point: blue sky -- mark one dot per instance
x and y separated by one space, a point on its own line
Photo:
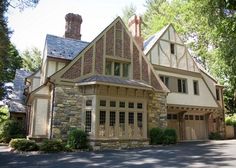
31 26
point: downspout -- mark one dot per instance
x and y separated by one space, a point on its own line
53 97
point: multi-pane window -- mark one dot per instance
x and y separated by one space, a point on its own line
131 105
126 70
122 104
108 68
112 103
165 80
117 69
88 102
139 105
103 103
195 87
172 48
131 118
102 117
140 120
182 85
88 121
112 118
217 94
122 118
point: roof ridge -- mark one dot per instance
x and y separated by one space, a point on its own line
71 39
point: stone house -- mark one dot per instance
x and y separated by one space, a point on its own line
109 87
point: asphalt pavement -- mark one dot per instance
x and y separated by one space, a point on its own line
188 154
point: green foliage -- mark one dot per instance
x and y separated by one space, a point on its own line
128 12
52 145
23 145
215 136
11 129
163 136
156 136
230 120
31 59
4 114
170 136
77 139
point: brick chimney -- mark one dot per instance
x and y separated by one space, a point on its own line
72 28
135 29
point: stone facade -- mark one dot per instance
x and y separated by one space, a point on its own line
118 144
67 111
157 110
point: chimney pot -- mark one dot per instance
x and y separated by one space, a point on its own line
73 24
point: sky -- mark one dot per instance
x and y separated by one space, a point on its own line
31 26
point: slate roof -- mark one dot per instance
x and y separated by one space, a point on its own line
64 48
114 80
16 102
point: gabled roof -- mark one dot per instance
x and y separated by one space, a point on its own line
147 44
16 104
64 48
114 80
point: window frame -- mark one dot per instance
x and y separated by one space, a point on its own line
196 92
182 86
172 48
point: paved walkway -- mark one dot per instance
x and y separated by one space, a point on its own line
189 154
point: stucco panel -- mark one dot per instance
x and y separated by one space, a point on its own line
41 117
203 99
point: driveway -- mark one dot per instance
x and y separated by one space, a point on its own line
189 154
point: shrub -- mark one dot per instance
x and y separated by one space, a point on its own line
52 145
170 136
215 136
156 136
77 139
230 120
11 129
23 145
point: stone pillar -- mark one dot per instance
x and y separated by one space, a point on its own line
73 24
157 110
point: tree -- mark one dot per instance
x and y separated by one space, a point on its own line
128 12
9 57
4 114
31 59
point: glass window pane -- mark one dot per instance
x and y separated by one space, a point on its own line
88 121
88 102
112 118
102 117
108 68
103 103
112 103
131 118
122 118
139 105
131 105
122 104
117 69
140 119
125 70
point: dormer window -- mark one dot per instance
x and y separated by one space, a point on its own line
172 48
117 69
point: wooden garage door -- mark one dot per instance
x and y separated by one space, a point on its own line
195 127
173 122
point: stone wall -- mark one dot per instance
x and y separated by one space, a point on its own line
118 144
67 111
157 110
